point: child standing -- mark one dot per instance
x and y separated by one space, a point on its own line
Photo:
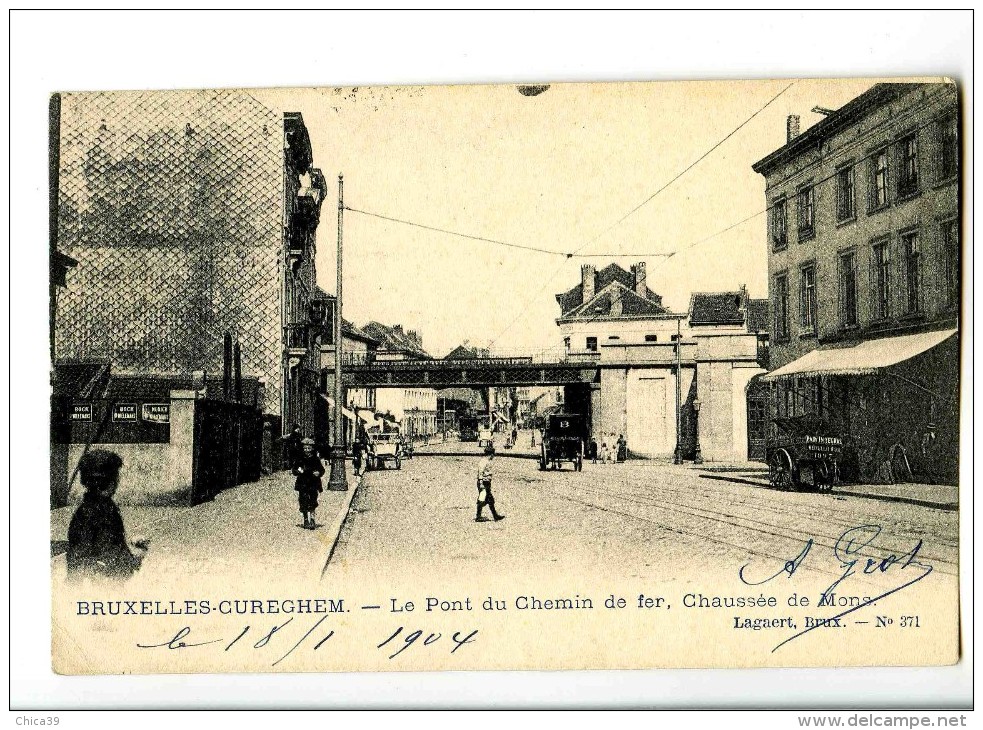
97 544
308 470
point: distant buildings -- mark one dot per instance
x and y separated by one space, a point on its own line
613 321
864 275
415 408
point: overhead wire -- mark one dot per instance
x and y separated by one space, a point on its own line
693 164
666 255
458 233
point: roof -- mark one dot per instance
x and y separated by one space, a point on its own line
80 378
853 111
463 352
92 380
347 328
865 358
717 308
573 298
617 300
728 308
394 339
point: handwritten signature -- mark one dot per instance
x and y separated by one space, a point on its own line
179 640
848 551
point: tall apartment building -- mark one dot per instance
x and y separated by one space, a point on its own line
189 214
864 276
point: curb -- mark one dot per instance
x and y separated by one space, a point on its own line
339 522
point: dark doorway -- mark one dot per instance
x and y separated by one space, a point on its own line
757 420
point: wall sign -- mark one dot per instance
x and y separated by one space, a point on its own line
80 412
126 412
156 412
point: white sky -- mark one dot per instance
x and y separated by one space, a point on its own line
552 171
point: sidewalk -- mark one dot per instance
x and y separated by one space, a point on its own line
253 531
937 496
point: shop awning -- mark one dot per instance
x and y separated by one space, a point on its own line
350 415
865 358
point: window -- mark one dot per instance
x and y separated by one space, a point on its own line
807 213
807 299
882 280
781 308
950 261
566 343
845 195
651 338
948 148
779 224
908 166
912 271
592 344
848 289
878 180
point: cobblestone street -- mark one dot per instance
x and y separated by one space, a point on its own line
639 521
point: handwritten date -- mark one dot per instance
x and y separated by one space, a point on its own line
314 637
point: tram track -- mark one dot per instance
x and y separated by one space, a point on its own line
700 513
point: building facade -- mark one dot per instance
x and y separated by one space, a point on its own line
641 349
864 277
191 215
414 408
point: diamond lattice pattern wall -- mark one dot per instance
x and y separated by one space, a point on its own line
172 203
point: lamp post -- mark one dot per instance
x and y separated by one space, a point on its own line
338 479
698 457
677 456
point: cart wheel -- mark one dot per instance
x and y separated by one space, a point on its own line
399 463
780 471
826 476
578 464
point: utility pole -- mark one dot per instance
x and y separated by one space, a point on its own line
677 457
338 479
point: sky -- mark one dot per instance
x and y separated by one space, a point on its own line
557 171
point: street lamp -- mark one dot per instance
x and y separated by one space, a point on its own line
338 479
698 456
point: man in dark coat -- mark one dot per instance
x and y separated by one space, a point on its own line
97 545
293 448
308 469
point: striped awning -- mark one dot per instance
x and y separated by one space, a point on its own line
865 358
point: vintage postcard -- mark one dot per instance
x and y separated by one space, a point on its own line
552 376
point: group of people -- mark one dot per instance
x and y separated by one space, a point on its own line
609 451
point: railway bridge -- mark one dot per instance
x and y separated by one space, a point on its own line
540 369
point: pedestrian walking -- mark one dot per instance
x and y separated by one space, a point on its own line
484 484
622 448
359 450
97 544
603 454
292 446
592 450
308 469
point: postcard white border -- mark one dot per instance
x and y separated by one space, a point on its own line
63 50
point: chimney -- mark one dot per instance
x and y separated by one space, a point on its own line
398 329
791 127
638 270
587 280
